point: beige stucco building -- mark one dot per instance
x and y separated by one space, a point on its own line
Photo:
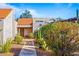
37 22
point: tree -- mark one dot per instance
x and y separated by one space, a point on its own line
77 11
26 14
61 37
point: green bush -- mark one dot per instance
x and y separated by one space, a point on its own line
18 39
60 37
7 46
31 35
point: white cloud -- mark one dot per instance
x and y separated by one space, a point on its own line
33 12
3 5
19 11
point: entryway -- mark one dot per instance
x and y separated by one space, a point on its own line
28 48
24 31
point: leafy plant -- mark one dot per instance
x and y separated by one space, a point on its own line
41 41
18 39
7 46
44 44
31 35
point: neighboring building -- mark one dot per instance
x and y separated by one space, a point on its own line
7 25
37 22
25 26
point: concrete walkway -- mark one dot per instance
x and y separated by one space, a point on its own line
28 48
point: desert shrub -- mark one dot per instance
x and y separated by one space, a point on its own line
44 44
40 40
7 46
18 39
35 34
31 35
61 37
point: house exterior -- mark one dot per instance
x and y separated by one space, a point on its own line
25 26
7 27
14 28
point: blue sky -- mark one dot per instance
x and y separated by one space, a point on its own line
55 10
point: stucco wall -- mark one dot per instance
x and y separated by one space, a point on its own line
14 28
7 27
1 32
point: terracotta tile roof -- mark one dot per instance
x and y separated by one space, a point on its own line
25 21
4 13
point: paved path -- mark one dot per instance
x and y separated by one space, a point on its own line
28 49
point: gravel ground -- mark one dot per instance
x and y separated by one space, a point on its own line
41 52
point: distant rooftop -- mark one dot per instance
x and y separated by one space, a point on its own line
25 21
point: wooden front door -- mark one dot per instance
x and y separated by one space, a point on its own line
22 32
26 32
